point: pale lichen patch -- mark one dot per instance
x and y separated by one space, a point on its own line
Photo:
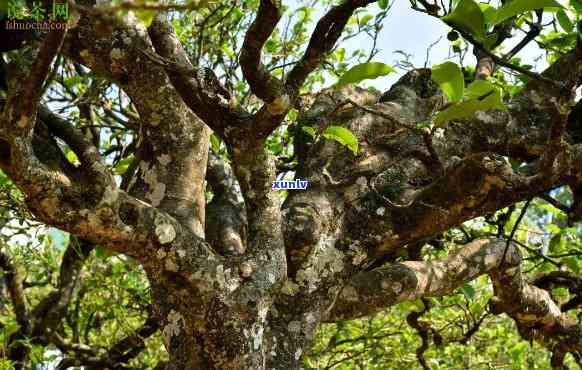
116 53
298 354
161 253
157 189
226 280
396 287
157 194
23 121
289 288
280 105
110 196
362 181
165 159
294 326
349 294
175 320
325 261
164 230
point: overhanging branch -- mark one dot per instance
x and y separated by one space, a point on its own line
537 316
372 291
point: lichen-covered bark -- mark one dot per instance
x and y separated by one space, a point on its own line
250 293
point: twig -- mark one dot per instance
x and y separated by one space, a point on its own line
512 234
554 202
426 134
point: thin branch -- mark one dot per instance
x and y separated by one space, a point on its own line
50 311
423 330
262 83
83 148
512 234
32 87
557 204
327 32
199 88
15 278
504 63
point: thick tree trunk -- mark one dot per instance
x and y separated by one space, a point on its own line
253 299
230 336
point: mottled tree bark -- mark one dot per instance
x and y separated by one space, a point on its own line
250 294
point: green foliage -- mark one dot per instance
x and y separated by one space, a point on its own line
516 7
364 71
115 293
343 136
468 16
450 79
122 166
309 131
146 16
479 96
6 364
383 4
564 21
385 341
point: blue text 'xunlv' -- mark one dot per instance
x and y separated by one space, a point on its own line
291 185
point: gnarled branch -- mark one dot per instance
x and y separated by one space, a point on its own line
262 83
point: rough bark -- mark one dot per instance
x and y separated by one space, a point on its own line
250 293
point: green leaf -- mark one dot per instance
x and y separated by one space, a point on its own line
477 89
123 165
577 5
364 71
468 17
365 19
71 156
468 291
516 7
146 16
343 136
489 12
490 40
100 253
450 79
517 351
491 100
556 244
309 131
574 263
215 143
564 21
383 4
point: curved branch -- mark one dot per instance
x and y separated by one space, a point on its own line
327 31
262 83
537 316
371 291
54 307
15 278
88 154
115 358
211 102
